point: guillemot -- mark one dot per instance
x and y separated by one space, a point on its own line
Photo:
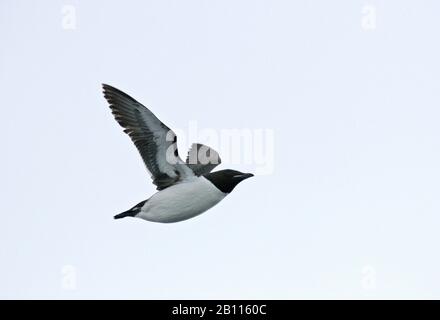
185 189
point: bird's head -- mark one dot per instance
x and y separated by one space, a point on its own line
227 180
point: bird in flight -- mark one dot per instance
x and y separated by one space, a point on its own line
185 189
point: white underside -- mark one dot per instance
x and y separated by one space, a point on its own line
181 201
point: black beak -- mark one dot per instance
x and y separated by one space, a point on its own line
246 175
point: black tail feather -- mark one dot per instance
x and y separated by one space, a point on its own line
132 212
128 213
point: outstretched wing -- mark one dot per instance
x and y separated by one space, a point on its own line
156 143
202 159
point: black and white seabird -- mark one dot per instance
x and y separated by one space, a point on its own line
185 189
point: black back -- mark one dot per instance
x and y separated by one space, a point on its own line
226 180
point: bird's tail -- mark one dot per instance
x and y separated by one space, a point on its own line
132 212
129 213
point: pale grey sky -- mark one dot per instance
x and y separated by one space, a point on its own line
351 209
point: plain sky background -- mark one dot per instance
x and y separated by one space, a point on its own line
350 211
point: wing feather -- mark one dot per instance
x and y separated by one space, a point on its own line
156 143
202 159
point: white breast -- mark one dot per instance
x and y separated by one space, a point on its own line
181 201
